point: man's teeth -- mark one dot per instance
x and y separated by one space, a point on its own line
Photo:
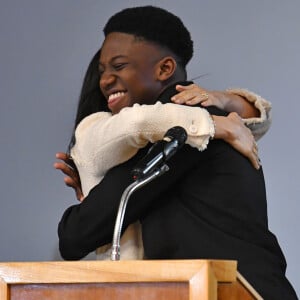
115 95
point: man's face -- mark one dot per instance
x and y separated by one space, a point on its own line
128 71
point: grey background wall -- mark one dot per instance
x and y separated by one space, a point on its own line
45 47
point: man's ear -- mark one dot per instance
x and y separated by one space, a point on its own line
166 67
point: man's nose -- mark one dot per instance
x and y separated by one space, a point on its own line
106 80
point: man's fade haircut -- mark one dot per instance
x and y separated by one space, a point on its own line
155 25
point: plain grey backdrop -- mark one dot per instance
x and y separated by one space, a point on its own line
45 47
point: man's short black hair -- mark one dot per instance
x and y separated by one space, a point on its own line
156 25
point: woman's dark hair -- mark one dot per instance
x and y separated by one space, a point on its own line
91 99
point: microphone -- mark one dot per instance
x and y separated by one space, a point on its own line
160 152
149 168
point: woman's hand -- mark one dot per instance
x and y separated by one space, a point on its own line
72 179
233 131
193 94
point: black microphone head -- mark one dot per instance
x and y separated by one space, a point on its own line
160 152
178 133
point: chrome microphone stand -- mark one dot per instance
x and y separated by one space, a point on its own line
116 252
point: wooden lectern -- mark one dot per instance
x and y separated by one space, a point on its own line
152 279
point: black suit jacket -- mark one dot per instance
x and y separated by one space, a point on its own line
210 204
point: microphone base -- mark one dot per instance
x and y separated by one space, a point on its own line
115 253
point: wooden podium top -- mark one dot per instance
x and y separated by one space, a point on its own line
209 278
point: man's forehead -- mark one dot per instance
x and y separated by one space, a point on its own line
117 45
126 39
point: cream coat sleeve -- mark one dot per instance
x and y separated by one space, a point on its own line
259 126
104 140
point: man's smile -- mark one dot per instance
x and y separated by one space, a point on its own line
114 99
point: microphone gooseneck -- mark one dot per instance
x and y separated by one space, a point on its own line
116 246
150 167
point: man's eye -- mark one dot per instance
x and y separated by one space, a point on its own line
119 66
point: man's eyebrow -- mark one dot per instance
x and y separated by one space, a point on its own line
113 59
